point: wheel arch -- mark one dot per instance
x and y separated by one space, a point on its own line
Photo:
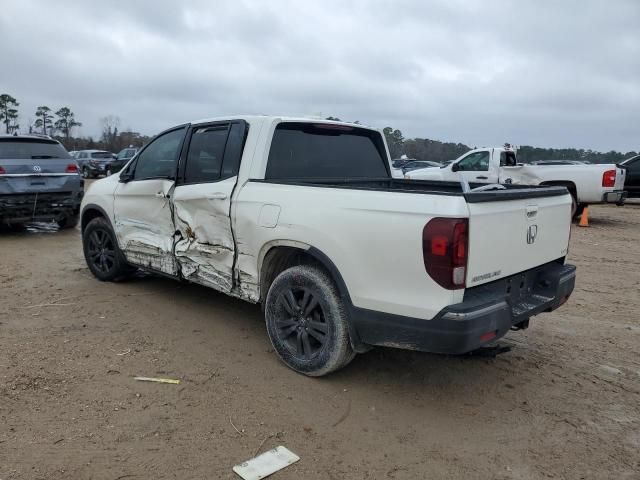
279 255
91 211
571 186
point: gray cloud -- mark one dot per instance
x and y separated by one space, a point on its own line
538 72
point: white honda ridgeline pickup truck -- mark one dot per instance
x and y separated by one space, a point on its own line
587 184
303 216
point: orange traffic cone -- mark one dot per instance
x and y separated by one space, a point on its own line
584 218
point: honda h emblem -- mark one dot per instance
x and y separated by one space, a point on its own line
532 232
37 168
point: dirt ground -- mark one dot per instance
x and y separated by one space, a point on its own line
564 403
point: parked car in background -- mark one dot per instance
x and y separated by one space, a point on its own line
39 181
400 162
408 166
414 165
121 160
230 211
93 163
632 182
588 184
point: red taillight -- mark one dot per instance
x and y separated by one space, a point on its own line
485 337
444 250
72 168
2 170
609 178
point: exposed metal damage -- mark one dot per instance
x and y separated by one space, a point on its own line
153 258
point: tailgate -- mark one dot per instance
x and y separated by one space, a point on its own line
621 174
37 175
511 236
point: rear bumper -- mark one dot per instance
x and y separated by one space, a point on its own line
98 169
33 207
487 313
618 197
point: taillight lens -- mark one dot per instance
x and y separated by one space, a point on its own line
445 250
72 168
2 170
609 178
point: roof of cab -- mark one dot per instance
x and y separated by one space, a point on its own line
277 118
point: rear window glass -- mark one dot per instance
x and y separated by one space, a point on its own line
101 155
16 149
325 151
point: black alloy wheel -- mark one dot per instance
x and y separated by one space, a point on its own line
302 326
101 251
307 321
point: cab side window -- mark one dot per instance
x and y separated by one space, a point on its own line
160 158
508 159
475 162
214 152
206 150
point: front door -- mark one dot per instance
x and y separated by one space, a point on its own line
476 168
142 205
205 247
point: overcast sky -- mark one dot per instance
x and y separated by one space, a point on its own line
541 73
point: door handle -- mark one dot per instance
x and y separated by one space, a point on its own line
159 195
482 178
216 196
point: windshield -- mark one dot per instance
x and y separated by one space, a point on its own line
31 148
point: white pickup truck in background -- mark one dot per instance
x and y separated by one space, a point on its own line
588 184
303 216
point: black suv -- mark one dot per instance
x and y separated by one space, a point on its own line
39 181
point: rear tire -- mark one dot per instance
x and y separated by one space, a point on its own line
307 321
102 254
68 222
574 206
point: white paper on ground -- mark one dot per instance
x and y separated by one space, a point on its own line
266 463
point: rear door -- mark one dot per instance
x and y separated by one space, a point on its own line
511 236
205 247
142 207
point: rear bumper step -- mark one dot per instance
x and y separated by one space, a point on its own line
487 313
618 197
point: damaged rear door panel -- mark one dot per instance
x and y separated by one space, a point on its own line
205 246
143 218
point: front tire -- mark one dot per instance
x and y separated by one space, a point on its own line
85 173
307 321
101 252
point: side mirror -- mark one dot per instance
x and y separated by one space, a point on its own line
125 177
455 167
